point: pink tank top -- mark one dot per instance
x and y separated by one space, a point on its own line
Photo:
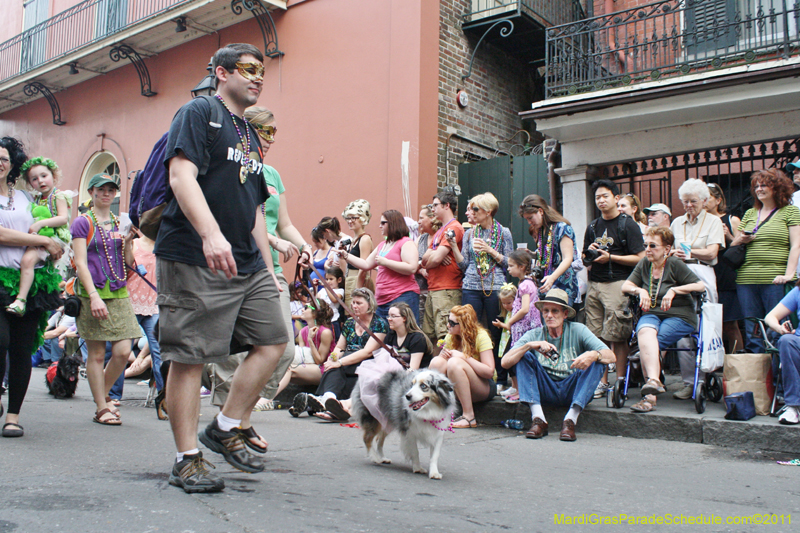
390 284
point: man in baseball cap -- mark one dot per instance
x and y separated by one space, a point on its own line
658 215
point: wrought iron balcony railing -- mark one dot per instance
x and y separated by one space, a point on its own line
74 28
547 12
667 39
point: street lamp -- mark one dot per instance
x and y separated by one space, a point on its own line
208 85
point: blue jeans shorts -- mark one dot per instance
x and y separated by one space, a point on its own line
670 330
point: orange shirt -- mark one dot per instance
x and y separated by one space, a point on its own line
445 277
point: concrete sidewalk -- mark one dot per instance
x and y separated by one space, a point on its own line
672 419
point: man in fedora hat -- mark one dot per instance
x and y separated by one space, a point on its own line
559 364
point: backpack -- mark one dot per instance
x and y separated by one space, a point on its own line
149 190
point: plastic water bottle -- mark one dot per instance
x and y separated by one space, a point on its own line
512 423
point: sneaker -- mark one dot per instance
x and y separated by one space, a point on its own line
192 475
232 447
601 390
204 392
264 404
299 404
316 404
685 393
790 416
508 392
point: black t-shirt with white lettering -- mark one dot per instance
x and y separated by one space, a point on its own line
606 233
232 203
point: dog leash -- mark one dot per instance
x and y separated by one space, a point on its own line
131 269
347 308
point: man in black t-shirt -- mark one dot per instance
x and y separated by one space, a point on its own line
617 241
213 223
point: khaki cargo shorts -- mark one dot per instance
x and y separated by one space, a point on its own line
607 314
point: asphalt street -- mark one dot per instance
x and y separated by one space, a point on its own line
69 474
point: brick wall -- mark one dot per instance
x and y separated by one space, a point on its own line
499 88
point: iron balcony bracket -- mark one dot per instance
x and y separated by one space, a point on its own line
34 88
504 32
265 22
124 51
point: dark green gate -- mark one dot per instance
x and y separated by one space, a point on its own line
510 179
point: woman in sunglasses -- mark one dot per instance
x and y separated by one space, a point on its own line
357 215
467 360
483 259
664 285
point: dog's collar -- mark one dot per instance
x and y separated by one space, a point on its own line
435 422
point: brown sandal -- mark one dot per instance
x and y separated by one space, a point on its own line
644 406
115 403
98 417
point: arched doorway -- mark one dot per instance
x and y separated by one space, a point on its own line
99 163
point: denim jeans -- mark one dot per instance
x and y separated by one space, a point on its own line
409 297
148 324
51 351
670 330
490 306
537 387
757 301
789 346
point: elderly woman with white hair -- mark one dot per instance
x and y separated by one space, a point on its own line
357 215
699 237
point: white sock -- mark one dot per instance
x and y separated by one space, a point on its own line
573 413
536 411
225 423
187 452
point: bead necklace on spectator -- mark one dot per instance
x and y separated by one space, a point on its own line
10 205
546 251
104 238
245 142
483 261
654 297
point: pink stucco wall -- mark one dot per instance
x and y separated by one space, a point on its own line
358 78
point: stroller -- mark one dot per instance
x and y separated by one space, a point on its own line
709 389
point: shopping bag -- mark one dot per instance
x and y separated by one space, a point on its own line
713 349
740 406
750 372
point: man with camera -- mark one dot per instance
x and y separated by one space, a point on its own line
612 246
559 364
444 275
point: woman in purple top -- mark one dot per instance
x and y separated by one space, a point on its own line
106 315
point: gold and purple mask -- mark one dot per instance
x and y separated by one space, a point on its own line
266 132
251 71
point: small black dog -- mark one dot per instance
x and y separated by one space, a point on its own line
62 377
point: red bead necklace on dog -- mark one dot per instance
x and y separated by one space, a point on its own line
448 428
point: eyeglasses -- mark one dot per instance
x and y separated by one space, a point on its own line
5 160
651 245
384 222
434 204
476 209
394 316
712 185
550 311
266 132
761 186
351 219
451 324
251 71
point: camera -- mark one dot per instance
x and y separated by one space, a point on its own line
591 254
552 355
450 234
343 244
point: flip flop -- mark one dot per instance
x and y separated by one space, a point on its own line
250 433
471 423
325 416
336 409
98 417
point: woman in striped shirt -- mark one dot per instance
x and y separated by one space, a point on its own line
771 230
